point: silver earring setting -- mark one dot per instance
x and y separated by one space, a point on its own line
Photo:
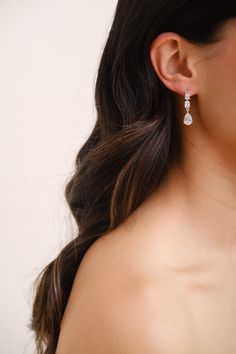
188 120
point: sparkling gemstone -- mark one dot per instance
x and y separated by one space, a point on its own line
187 104
188 119
187 96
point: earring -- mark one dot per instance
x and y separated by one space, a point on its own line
188 120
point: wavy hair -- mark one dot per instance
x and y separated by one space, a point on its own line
134 142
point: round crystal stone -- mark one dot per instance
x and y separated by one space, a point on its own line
187 96
187 104
188 119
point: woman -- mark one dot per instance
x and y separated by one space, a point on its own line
154 193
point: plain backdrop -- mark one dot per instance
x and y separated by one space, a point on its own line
49 55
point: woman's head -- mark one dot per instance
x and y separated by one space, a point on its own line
154 51
209 72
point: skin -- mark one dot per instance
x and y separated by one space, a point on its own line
164 282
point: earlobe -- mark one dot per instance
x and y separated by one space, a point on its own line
168 58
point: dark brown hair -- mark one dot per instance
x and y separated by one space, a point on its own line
133 143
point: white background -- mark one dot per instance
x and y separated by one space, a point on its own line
49 54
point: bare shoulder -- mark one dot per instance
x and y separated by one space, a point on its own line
115 304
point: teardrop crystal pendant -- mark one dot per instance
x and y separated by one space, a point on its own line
188 120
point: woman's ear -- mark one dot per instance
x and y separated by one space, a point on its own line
172 61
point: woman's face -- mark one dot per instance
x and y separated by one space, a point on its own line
215 104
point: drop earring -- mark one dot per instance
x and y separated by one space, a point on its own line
188 120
